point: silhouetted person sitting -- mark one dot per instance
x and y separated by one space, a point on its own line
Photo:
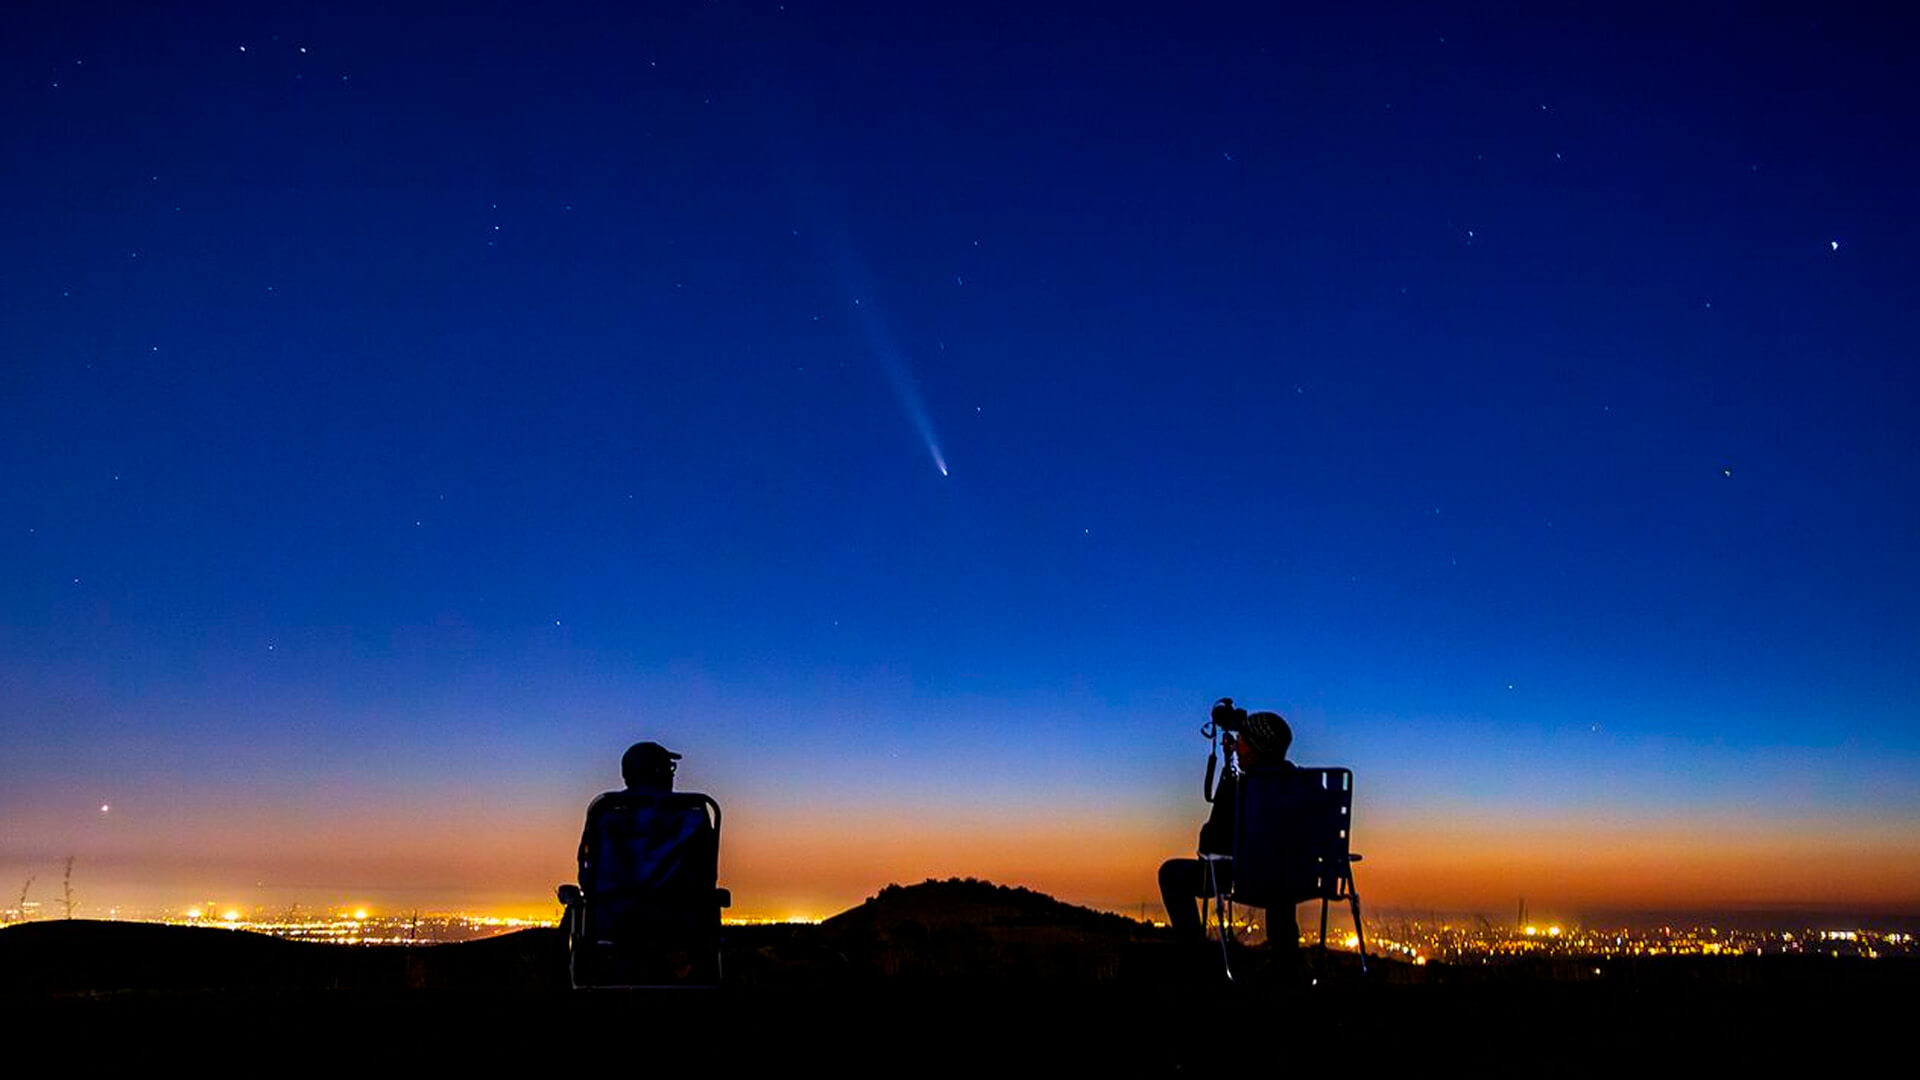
646 910
1249 741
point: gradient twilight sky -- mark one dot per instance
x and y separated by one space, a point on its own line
402 413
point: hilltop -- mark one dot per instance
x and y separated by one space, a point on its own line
938 904
963 928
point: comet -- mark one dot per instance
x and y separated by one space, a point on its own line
893 363
840 255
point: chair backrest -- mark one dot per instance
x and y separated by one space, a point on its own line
1291 835
662 848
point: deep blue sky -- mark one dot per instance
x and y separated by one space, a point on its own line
400 413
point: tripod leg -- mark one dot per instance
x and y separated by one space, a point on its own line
1221 916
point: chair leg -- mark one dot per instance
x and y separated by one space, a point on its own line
1359 931
573 922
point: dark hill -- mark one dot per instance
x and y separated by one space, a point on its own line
942 977
971 902
68 956
971 929
963 929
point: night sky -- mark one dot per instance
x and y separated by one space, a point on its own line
918 417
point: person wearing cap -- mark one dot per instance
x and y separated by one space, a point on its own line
648 767
1251 740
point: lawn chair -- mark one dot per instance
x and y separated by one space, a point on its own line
647 910
1292 828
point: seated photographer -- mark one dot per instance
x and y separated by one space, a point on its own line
1249 740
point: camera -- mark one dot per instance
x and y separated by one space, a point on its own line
1227 716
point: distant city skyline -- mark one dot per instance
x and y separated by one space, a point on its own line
1417 937
918 418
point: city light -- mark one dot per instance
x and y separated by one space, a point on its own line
1410 939
1451 941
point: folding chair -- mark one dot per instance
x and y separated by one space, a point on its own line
646 912
1291 831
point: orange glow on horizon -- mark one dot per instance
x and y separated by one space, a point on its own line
1639 864
811 864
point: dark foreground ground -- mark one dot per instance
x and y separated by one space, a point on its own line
802 1001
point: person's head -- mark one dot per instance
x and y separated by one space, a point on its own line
1265 739
648 766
